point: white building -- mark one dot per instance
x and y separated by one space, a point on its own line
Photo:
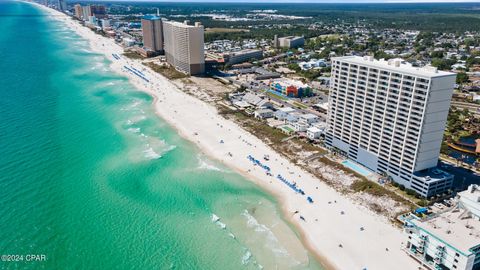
128 42
470 200
233 58
390 117
86 12
282 113
184 46
263 113
449 240
313 63
305 121
314 133
289 42
309 119
106 23
92 20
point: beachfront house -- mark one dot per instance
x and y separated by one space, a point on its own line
316 130
305 121
292 118
309 119
300 126
282 113
257 101
263 113
314 133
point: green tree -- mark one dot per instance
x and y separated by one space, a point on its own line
436 54
462 77
443 64
294 67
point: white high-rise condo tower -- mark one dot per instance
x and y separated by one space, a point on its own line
184 46
390 117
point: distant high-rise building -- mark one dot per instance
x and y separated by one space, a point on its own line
78 11
99 11
106 23
390 117
184 46
86 12
152 33
61 5
92 20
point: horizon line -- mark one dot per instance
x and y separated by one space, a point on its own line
297 1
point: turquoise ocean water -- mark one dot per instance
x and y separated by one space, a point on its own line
91 178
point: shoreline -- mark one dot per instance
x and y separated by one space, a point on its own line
199 123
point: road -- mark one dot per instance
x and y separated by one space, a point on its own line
473 107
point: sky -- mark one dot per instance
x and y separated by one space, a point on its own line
310 1
316 1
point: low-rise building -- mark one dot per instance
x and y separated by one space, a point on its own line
449 239
305 121
309 119
233 58
282 113
313 63
257 101
128 42
470 200
314 133
300 126
292 118
263 113
289 42
290 88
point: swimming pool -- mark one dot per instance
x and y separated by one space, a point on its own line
357 168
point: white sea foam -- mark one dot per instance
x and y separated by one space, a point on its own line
136 119
155 148
271 241
204 165
246 257
223 226
134 130
151 154
215 218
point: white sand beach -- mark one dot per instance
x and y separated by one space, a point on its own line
330 221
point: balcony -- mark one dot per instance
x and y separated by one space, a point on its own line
419 257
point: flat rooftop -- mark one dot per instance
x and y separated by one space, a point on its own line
432 175
289 82
182 24
454 228
395 65
290 37
245 51
151 17
472 193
